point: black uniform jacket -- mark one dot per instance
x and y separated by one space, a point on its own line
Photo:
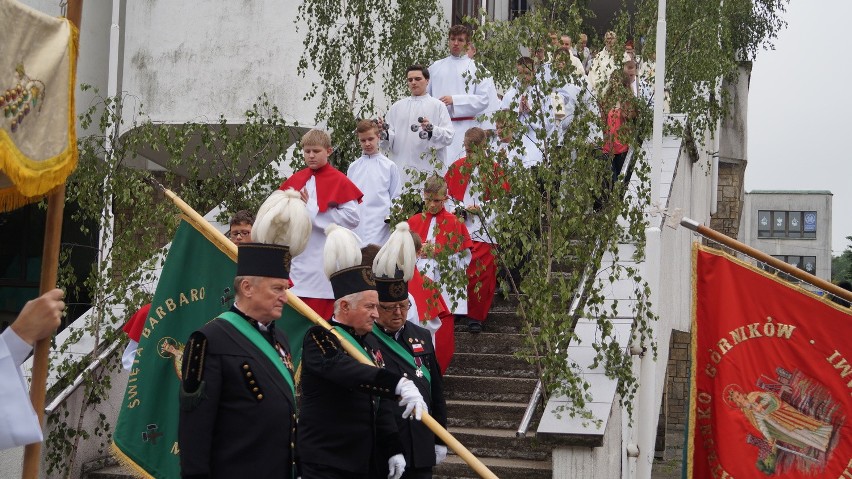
418 441
342 421
237 414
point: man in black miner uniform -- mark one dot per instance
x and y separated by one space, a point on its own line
346 427
237 401
407 349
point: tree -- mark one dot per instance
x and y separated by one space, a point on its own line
841 266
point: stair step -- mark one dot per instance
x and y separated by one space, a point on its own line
111 472
454 468
502 443
468 364
482 414
488 342
473 388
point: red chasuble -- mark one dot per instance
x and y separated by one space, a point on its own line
333 187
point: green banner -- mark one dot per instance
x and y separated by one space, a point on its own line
190 293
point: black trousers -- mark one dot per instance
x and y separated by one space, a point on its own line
421 473
321 471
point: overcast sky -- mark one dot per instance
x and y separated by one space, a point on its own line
799 127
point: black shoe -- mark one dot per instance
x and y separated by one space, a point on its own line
474 326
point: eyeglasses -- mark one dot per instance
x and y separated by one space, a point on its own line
239 234
401 307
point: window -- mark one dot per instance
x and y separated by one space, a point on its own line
517 8
464 8
473 9
807 263
786 224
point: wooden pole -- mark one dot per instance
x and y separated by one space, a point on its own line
47 282
761 256
309 313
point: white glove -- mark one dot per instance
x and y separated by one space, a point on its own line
396 466
410 399
440 453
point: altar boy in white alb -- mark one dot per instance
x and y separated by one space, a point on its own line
455 83
419 127
378 178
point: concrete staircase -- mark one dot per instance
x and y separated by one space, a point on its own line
487 391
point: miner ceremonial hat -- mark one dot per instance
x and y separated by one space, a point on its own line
392 289
352 280
262 259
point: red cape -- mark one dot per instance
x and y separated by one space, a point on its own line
458 177
451 232
333 187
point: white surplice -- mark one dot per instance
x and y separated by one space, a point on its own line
405 147
379 179
457 77
306 270
18 421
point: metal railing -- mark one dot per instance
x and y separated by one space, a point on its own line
577 303
78 381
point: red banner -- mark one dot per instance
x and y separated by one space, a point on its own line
771 391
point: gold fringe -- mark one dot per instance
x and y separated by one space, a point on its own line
128 463
693 350
32 180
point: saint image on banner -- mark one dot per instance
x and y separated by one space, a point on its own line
795 417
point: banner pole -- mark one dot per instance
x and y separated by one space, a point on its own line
765 258
47 282
315 318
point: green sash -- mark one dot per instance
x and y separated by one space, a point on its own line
262 344
355 343
400 351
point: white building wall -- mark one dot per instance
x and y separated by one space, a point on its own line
192 61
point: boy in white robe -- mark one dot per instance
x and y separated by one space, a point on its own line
419 128
330 197
456 83
379 179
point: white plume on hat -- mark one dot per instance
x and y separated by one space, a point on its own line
342 249
283 219
397 253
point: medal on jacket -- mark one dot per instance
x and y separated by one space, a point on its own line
418 361
377 358
285 356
